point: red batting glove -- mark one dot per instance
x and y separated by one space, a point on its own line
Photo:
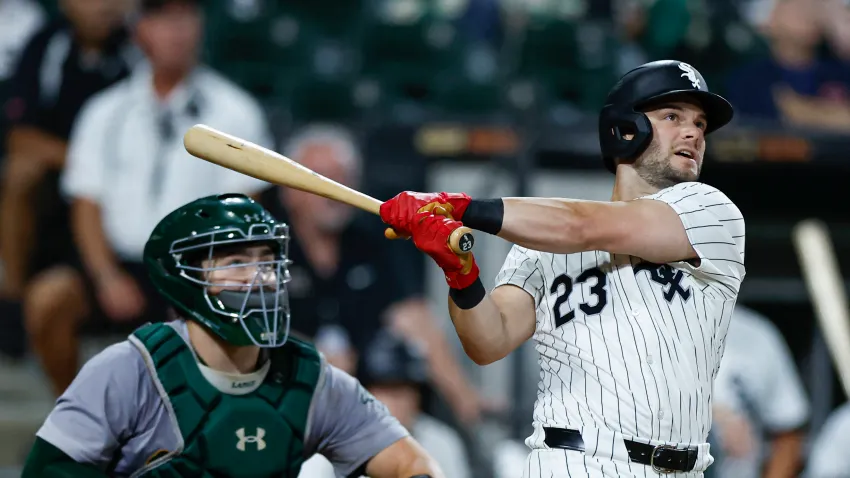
431 235
400 211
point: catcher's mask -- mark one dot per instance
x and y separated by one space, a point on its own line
222 261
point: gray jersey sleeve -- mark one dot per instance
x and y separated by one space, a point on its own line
99 410
347 424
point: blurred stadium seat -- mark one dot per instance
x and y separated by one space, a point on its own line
408 45
719 39
572 60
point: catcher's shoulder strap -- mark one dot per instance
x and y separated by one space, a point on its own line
296 363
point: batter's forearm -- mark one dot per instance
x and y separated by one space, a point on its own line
481 331
558 226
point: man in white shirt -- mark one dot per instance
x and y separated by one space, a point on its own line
394 372
760 406
19 19
126 169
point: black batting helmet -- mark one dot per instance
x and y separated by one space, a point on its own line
642 86
390 359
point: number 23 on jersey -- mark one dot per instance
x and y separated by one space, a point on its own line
594 303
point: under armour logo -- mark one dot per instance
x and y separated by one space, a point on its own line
665 275
690 73
243 439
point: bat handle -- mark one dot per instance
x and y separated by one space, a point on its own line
461 240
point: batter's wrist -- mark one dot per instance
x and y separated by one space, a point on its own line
468 297
485 215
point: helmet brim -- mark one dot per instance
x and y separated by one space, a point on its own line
718 111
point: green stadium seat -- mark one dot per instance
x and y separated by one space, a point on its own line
260 78
339 19
407 52
323 99
574 61
720 43
51 7
471 98
237 33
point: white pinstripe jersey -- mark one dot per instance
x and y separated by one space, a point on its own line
630 346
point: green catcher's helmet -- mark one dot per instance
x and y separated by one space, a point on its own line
255 313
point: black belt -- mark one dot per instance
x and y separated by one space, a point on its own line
662 458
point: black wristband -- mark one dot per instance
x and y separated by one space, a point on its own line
485 215
469 297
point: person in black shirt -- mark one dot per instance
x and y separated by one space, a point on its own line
70 59
348 281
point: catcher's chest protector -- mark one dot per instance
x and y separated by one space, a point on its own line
260 434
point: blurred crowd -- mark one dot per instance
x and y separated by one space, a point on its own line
96 94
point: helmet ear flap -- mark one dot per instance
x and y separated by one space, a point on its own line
614 127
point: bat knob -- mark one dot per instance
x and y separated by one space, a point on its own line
461 240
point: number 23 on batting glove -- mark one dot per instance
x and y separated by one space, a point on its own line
430 234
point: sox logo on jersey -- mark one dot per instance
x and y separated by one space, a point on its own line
628 348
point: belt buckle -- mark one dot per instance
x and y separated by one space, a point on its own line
657 468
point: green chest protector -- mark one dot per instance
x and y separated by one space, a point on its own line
259 434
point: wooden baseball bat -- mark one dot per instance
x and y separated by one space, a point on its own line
256 161
825 284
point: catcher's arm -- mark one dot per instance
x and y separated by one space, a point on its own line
403 459
357 433
47 461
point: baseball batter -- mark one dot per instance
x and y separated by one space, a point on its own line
628 300
222 391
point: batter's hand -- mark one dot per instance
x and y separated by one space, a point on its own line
399 212
430 235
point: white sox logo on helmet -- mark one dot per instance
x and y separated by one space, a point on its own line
690 73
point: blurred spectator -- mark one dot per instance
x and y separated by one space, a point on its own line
756 12
836 18
482 22
829 457
760 406
19 19
346 281
395 372
63 64
794 85
126 169
650 30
